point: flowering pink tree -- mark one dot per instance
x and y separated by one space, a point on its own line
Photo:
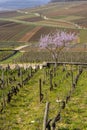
55 42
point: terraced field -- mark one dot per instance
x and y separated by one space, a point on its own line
10 31
9 14
33 19
24 92
34 54
6 54
73 11
12 45
58 15
30 34
32 23
45 30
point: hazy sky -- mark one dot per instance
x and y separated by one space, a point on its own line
23 1
16 4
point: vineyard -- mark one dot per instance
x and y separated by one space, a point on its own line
79 10
12 45
33 19
27 94
37 93
9 14
6 54
27 31
74 12
10 31
39 57
82 22
45 30
34 54
72 53
58 23
30 34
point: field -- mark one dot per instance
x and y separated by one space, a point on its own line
6 54
25 27
33 19
29 79
12 45
28 36
9 14
24 110
10 31
46 30
73 53
77 9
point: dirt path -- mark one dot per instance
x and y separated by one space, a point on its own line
21 47
29 35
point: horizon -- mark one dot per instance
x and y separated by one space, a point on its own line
17 4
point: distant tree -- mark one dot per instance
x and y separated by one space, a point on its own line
55 42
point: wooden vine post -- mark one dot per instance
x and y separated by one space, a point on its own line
21 78
54 72
40 91
4 100
30 71
44 76
46 116
51 85
56 119
2 78
7 77
3 94
71 75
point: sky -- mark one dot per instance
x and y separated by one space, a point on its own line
27 0
20 4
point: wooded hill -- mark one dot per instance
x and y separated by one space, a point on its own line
65 0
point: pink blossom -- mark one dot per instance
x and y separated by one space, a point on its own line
56 41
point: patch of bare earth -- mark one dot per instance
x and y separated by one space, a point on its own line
29 35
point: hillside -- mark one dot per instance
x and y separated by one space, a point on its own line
44 88
65 0
24 27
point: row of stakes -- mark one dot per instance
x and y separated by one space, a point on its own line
51 123
14 89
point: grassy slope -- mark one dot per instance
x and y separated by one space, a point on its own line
12 59
46 10
83 36
75 114
26 113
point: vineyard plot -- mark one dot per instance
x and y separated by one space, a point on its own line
30 34
46 30
6 54
25 111
33 54
9 14
33 19
11 31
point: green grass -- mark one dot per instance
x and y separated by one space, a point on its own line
9 45
83 36
29 15
12 59
25 109
59 17
75 114
25 112
5 54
